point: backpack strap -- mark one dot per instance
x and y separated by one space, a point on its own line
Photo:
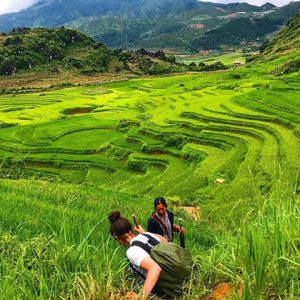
142 245
151 239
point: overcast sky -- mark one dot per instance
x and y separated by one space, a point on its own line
16 5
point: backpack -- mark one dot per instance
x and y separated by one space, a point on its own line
175 261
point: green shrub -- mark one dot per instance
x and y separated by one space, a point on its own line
136 166
176 141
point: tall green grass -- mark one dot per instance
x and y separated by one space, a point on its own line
54 243
259 251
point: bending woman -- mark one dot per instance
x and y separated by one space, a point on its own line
162 220
142 263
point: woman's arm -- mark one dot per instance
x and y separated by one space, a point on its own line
153 272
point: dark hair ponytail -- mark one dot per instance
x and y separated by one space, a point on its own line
160 200
118 224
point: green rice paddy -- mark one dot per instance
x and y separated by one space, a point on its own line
70 156
171 136
226 58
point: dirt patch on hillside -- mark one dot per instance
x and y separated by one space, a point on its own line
232 15
197 26
37 82
225 291
192 211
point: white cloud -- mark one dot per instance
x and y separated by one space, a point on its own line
7 6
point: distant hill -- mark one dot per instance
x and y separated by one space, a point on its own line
183 25
245 29
282 53
245 7
285 13
286 41
45 12
66 50
193 30
268 6
235 32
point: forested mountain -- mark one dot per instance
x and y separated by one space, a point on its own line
246 28
286 42
288 39
45 12
282 53
182 25
66 50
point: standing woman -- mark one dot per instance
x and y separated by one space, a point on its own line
162 220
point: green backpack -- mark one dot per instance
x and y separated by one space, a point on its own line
175 261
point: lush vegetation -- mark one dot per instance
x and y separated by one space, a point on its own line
44 13
65 50
212 57
236 32
247 31
282 49
70 156
54 243
286 41
138 133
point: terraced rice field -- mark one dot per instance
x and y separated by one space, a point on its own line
171 136
226 58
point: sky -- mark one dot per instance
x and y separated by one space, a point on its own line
7 6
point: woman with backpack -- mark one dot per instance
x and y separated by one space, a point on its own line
162 220
163 266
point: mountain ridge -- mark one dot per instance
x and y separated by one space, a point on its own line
287 40
183 25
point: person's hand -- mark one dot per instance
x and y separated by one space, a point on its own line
181 229
139 229
131 296
178 229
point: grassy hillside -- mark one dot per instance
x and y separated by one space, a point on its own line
54 243
228 59
281 53
288 40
